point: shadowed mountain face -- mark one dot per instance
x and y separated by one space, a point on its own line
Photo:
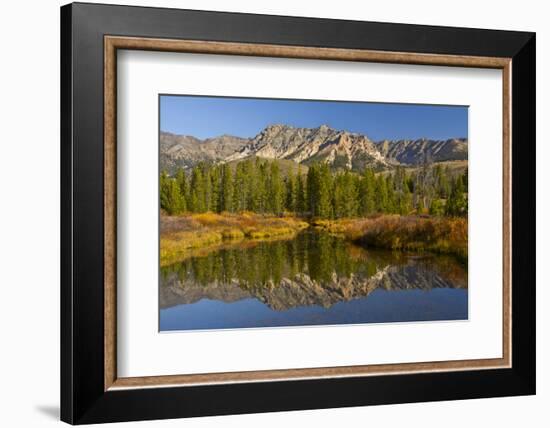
314 269
340 148
414 152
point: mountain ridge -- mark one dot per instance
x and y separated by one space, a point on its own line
341 149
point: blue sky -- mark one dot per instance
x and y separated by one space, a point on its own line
205 117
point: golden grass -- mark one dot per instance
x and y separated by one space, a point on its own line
405 233
270 232
182 235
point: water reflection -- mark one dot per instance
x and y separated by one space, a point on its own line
311 270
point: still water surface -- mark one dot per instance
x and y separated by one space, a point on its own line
312 279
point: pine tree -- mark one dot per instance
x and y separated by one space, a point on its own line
197 194
402 195
261 186
425 185
351 204
338 196
250 184
405 199
215 184
312 184
366 192
275 193
323 189
345 195
226 194
207 187
444 188
437 207
164 190
176 201
291 191
181 179
319 189
240 189
301 196
457 204
393 203
170 197
325 198
381 195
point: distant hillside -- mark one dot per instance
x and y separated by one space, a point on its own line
414 152
183 151
341 149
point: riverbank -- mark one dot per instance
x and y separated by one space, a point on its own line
180 236
404 233
187 235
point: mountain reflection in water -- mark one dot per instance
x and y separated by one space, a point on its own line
314 278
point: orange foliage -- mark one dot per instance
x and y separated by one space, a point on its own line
415 233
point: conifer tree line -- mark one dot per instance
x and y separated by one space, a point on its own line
260 186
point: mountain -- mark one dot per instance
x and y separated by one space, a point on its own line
340 148
413 152
183 151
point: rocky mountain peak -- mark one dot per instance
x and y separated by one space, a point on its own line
275 128
340 148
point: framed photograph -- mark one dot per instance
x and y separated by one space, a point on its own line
265 213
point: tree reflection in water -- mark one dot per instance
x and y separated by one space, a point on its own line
311 269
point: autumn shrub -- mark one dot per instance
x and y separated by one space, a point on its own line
232 234
414 233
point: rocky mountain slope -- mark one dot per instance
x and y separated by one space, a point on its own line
414 152
183 151
341 149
